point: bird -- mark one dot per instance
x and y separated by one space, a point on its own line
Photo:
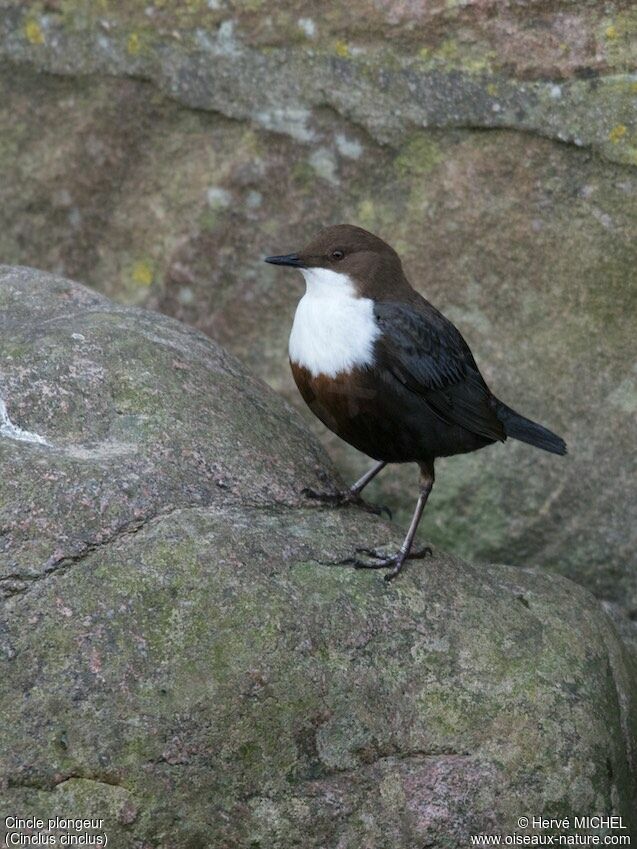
387 372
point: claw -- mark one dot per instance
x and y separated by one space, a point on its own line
341 498
363 564
395 561
413 555
336 498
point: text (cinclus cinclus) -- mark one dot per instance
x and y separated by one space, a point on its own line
387 372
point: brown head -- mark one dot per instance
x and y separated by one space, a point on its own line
370 263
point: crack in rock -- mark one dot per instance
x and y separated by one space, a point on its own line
217 74
18 583
52 784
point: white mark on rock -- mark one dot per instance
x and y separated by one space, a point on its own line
351 148
12 431
221 43
75 217
226 40
323 162
290 120
555 91
308 26
218 198
185 296
603 217
79 337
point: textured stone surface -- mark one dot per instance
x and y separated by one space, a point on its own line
382 65
168 417
209 675
308 115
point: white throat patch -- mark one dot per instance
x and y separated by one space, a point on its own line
334 330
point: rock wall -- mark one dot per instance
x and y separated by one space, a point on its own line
158 152
184 654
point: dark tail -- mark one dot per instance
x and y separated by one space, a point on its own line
525 430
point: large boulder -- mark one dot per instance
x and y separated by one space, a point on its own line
185 654
130 394
179 142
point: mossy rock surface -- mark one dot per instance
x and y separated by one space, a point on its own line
390 67
207 671
168 417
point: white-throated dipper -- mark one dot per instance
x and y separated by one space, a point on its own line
387 372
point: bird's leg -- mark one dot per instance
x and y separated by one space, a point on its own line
352 495
397 560
356 489
361 483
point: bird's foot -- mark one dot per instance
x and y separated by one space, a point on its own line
340 498
394 563
337 498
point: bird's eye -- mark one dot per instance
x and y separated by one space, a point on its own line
337 255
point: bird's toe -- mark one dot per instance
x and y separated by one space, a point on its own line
336 497
371 552
370 564
394 562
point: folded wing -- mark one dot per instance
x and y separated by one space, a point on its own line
423 350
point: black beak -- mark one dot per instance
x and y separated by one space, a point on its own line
286 259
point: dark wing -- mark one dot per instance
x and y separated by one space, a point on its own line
426 353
